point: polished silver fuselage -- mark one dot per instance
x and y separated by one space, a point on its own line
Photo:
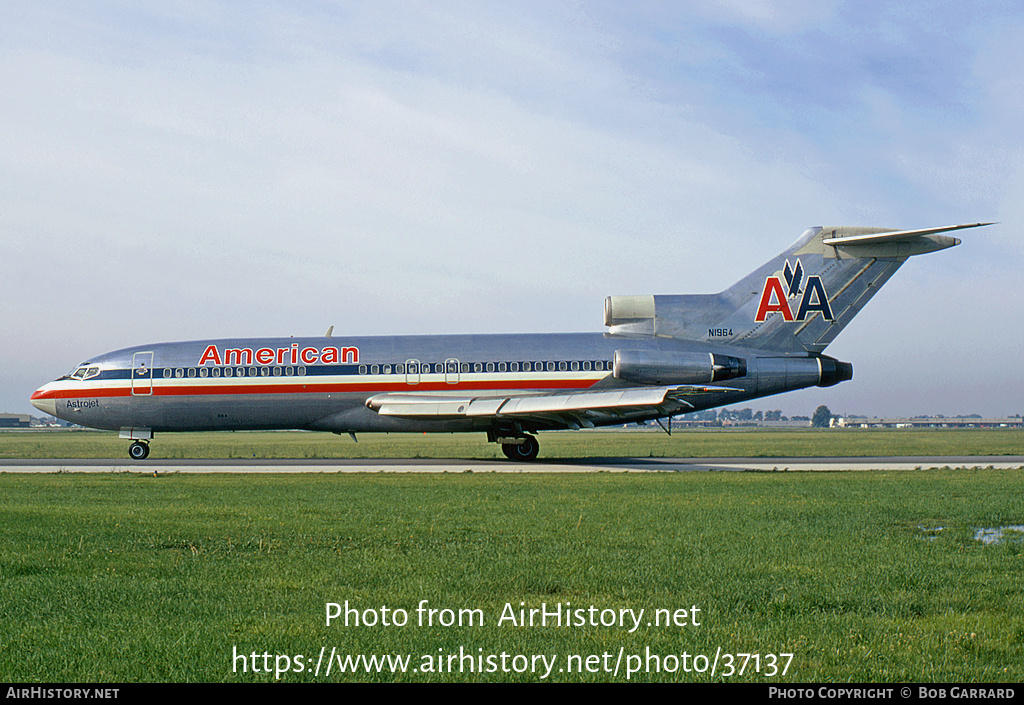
186 386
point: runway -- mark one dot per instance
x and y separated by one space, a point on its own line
558 465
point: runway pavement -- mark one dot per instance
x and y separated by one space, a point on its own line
559 465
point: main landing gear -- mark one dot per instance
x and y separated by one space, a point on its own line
515 443
522 449
138 450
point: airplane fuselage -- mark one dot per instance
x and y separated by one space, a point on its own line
323 383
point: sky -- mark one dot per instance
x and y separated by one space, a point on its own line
189 170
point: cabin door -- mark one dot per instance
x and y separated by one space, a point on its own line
142 373
412 371
451 371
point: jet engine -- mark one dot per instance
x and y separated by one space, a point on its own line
659 367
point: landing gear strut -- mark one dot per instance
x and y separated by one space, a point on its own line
138 450
522 449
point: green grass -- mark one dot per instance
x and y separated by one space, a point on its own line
743 442
861 576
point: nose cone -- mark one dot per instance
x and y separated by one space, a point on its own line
42 400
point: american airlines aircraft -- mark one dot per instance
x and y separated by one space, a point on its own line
659 357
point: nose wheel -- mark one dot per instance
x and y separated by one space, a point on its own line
138 450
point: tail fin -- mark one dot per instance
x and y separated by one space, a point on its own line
796 302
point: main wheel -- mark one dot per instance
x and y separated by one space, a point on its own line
138 451
524 451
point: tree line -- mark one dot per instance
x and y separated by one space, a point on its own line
820 419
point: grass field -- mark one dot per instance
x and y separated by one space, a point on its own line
860 576
740 442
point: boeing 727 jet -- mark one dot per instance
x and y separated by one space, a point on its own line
659 357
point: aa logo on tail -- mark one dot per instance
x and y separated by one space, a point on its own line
777 295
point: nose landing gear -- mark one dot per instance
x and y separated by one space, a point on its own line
138 450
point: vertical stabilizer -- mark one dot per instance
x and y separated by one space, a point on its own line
797 302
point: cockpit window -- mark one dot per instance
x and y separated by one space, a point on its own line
85 372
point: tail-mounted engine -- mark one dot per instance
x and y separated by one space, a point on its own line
656 367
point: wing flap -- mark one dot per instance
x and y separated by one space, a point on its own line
581 401
418 405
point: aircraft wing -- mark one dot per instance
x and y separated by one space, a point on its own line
582 409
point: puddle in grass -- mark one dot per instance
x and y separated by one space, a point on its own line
1013 533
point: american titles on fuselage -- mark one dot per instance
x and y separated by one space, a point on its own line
292 355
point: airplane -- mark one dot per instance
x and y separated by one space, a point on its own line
661 356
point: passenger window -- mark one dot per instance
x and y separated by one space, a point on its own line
179 372
374 369
362 369
562 366
490 367
215 372
302 371
167 372
514 366
191 371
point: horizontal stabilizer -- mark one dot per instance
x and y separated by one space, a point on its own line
896 236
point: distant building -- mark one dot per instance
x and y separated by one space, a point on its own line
801 422
928 422
15 420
